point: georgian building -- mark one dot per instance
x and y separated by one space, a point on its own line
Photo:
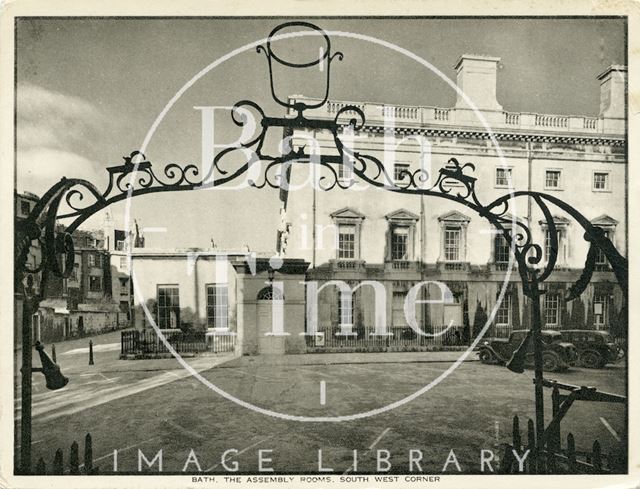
367 235
399 240
119 245
85 302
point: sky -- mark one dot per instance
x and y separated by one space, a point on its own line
89 90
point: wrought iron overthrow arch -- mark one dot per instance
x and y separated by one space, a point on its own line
57 245
137 177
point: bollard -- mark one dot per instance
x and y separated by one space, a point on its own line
53 353
91 352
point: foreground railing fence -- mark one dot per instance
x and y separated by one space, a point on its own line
555 458
545 452
57 465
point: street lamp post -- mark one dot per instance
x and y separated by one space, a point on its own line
54 381
25 408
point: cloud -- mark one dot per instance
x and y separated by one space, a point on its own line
54 135
48 118
40 167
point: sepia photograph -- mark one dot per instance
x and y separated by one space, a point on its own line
360 251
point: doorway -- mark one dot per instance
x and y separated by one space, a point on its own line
270 302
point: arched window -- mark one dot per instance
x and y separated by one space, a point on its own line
270 294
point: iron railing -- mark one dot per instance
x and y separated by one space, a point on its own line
550 456
148 343
499 331
401 339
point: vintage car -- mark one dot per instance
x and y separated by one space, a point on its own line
595 348
557 355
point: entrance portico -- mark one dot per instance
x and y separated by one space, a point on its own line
266 306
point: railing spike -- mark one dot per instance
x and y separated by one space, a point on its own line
41 467
88 454
517 443
556 441
507 461
571 453
58 468
597 457
531 445
74 462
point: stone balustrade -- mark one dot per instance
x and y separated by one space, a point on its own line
404 115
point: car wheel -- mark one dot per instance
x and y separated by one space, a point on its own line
591 359
487 357
550 362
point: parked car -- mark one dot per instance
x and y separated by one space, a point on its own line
595 348
557 355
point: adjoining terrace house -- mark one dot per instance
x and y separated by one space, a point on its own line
119 243
401 240
81 304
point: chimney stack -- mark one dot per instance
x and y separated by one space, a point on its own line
613 84
477 77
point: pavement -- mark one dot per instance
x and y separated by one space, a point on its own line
108 379
156 404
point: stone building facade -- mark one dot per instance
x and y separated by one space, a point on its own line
400 240
365 235
119 244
